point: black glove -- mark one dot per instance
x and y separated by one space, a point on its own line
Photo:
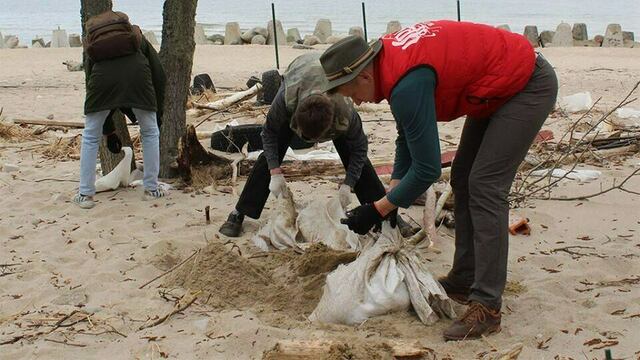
361 219
113 143
393 221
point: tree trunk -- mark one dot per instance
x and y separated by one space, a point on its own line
176 56
108 160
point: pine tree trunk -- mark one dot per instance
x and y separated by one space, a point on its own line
176 56
108 160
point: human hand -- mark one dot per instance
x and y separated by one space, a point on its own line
344 195
277 184
362 219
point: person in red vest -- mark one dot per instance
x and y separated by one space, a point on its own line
440 71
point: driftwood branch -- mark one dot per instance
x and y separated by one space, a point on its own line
69 124
615 187
231 100
570 250
186 301
578 150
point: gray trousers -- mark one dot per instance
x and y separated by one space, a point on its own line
486 162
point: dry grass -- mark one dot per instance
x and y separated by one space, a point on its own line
515 288
216 175
13 133
62 149
136 141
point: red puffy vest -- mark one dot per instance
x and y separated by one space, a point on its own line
478 67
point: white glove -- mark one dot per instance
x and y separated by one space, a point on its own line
277 184
344 194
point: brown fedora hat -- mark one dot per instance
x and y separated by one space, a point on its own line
344 60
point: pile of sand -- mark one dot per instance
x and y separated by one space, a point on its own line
278 282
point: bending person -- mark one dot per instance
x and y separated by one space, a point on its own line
440 71
301 108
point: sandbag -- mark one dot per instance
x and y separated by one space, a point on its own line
122 176
119 176
319 221
281 230
372 285
379 282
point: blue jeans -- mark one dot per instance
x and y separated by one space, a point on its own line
92 135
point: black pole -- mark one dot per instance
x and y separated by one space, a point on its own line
364 22
458 4
275 35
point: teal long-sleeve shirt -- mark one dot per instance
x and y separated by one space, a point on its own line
417 159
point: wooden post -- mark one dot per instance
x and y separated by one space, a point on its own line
275 34
364 22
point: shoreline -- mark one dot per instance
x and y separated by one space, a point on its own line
212 33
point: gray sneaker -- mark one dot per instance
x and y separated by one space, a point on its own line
85 202
155 194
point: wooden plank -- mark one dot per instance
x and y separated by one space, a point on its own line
69 124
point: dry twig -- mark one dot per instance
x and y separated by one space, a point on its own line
580 148
180 305
614 187
170 270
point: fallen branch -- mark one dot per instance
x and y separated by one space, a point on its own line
13 340
170 270
181 305
618 187
231 100
69 124
581 145
57 180
65 342
569 250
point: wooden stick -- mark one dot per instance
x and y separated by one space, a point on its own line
231 100
170 270
618 187
176 309
70 124
65 343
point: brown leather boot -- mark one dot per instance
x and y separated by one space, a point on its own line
457 293
479 320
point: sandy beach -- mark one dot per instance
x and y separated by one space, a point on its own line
70 278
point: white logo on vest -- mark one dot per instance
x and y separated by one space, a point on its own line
409 36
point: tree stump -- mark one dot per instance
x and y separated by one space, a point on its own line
192 155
